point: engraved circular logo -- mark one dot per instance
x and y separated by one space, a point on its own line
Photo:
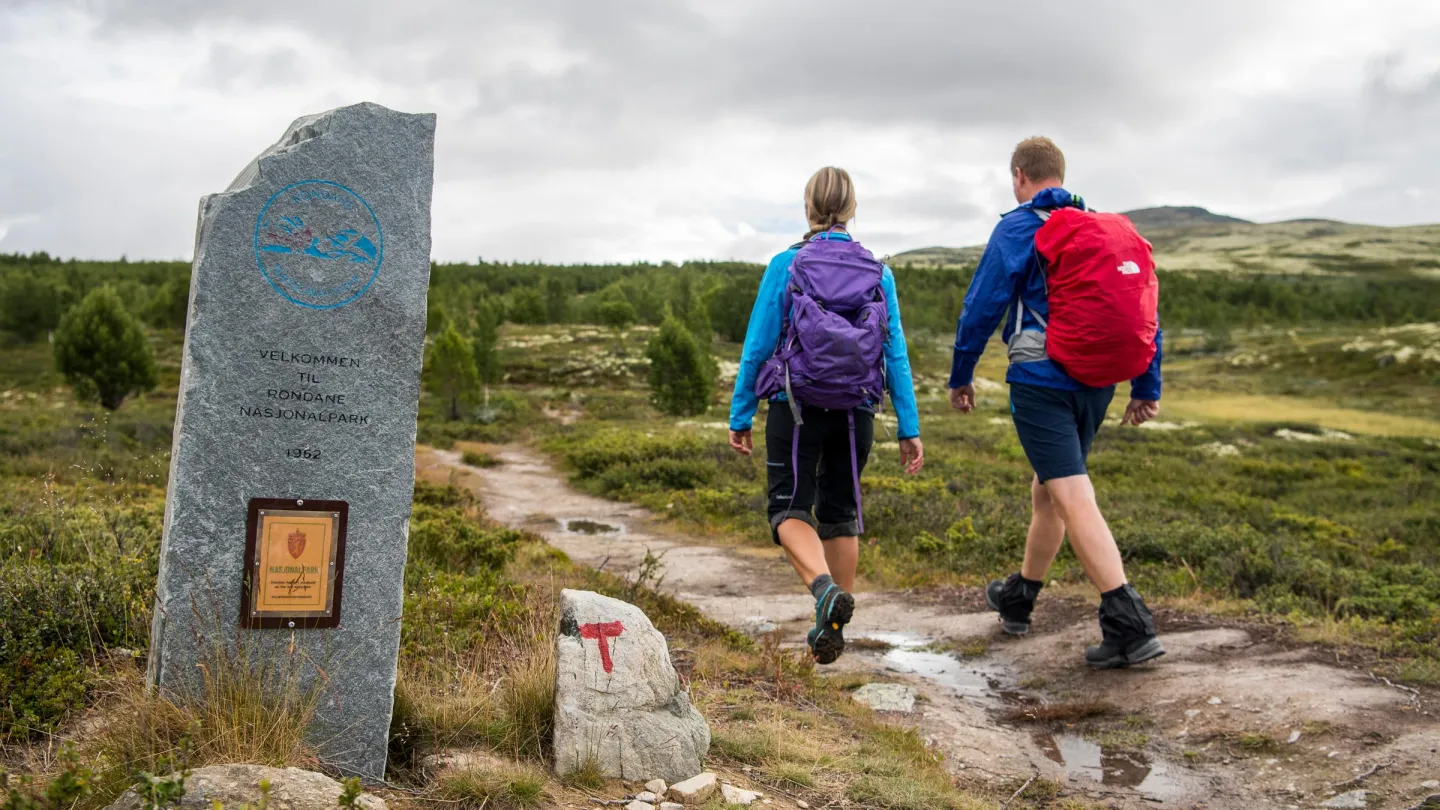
318 244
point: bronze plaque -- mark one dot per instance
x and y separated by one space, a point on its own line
294 563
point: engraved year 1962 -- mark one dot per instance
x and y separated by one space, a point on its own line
307 453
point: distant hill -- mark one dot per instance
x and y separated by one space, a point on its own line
1179 216
1193 239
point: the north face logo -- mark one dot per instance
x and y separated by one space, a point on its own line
1129 269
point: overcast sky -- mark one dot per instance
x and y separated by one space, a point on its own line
661 129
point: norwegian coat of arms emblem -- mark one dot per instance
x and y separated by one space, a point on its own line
296 543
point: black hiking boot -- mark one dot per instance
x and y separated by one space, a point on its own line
1013 599
1127 630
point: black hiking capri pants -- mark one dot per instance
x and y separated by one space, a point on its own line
817 467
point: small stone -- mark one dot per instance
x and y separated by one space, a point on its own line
1430 784
671 806
886 697
740 796
1191 714
694 790
235 785
1333 754
802 804
656 786
647 797
757 626
639 805
1294 737
1354 800
1214 701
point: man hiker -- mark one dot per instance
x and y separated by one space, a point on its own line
1077 292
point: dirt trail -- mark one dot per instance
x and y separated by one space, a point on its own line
1206 726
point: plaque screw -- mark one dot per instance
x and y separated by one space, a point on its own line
254 613
334 514
332 563
292 624
327 613
262 511
299 503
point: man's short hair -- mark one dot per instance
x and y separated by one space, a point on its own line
1039 158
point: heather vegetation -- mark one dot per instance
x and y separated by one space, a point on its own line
1292 477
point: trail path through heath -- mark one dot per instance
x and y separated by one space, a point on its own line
1208 725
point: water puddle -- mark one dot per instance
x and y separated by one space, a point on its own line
1153 778
588 526
909 655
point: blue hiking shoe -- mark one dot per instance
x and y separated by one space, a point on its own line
832 612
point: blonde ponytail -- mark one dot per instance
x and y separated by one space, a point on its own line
829 200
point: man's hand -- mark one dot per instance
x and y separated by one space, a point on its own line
912 455
740 442
962 399
1140 411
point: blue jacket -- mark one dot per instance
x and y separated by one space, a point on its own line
1010 267
763 334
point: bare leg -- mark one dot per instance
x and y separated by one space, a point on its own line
842 554
802 545
1074 499
1047 532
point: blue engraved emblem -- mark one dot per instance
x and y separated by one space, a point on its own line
318 244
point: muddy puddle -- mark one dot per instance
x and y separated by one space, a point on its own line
1085 759
589 526
975 679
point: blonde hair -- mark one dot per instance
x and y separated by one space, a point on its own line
829 200
1039 158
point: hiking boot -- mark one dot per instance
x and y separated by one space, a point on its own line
1013 599
832 612
1127 630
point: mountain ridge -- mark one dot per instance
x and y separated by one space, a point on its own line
1191 238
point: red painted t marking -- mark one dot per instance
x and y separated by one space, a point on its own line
600 632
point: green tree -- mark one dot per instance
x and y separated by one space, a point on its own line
680 374
102 351
557 301
30 306
616 313
527 305
450 372
485 342
729 306
171 303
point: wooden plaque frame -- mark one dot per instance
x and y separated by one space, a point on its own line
255 619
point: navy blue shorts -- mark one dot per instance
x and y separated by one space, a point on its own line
1056 427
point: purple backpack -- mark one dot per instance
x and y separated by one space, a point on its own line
832 347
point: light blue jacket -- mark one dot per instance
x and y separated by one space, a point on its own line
763 334
1009 269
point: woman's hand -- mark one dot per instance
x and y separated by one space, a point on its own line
912 455
740 442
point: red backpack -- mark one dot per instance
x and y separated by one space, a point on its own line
1103 294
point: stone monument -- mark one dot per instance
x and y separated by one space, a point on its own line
293 467
618 700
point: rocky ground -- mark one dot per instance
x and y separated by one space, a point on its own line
1235 715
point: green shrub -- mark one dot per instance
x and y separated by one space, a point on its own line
680 375
102 351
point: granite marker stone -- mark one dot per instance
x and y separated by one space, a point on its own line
300 379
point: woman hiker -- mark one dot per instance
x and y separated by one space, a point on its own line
824 342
